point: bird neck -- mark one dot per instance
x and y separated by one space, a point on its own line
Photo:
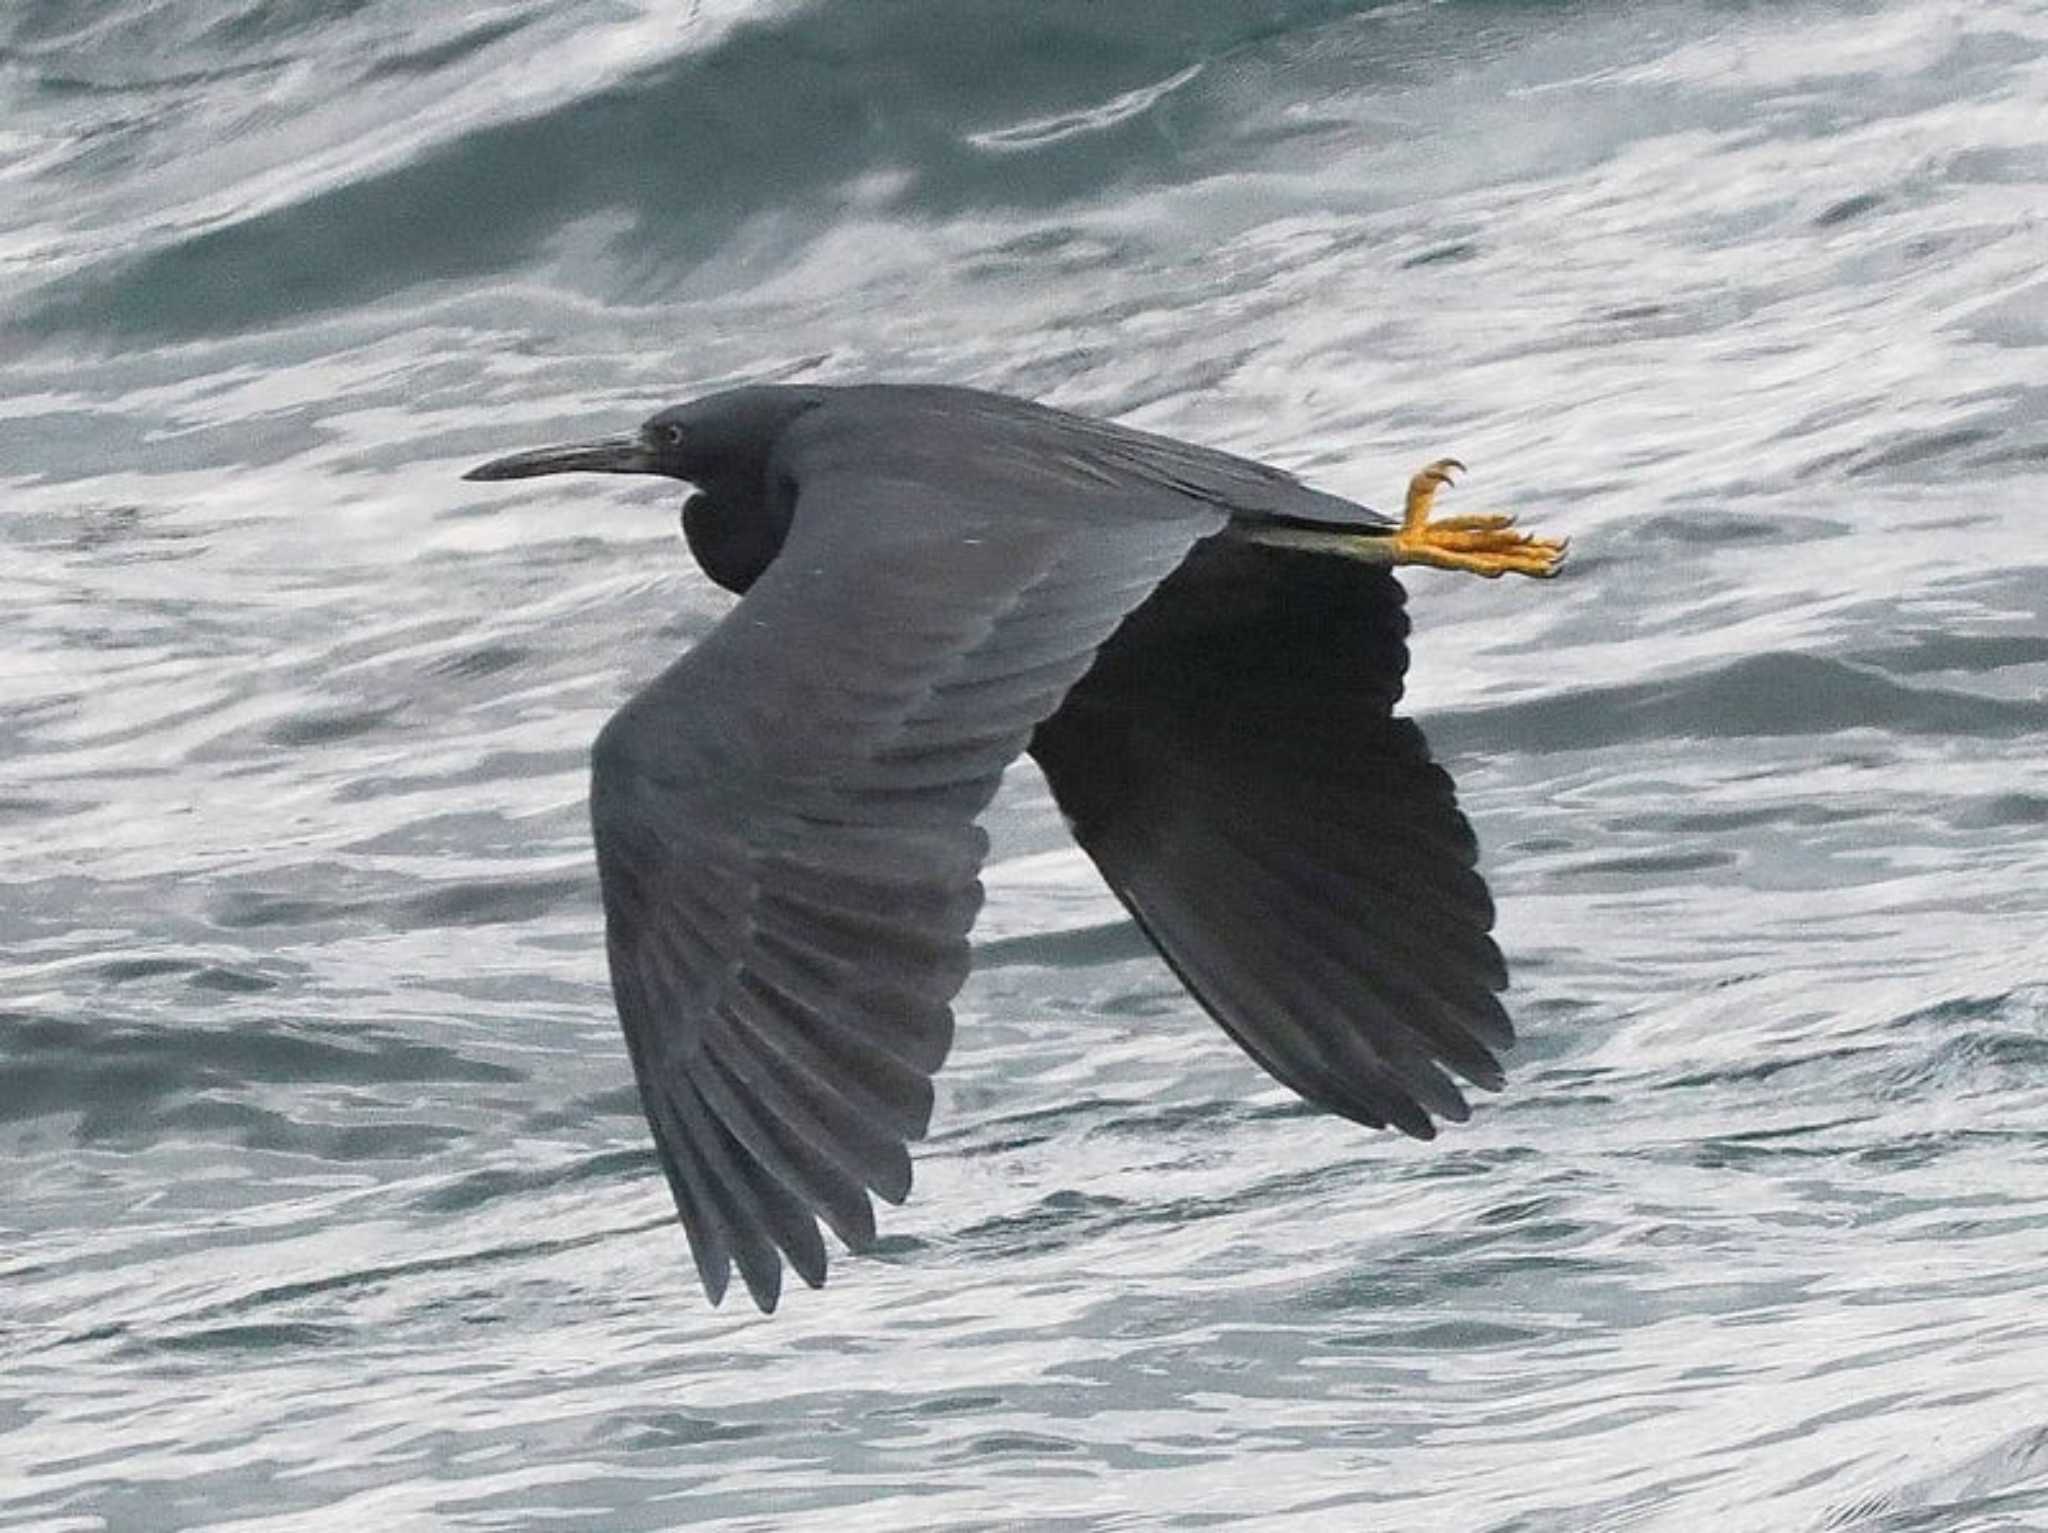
733 538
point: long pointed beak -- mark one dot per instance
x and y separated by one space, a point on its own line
610 455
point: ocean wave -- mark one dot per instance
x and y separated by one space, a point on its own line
135 1080
795 117
1778 693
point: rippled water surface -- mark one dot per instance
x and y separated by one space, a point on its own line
328 1200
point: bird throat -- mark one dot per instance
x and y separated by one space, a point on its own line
733 540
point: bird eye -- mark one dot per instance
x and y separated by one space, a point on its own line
674 435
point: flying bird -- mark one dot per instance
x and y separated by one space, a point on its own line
1203 655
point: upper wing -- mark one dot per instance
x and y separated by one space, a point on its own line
1101 456
1233 765
786 842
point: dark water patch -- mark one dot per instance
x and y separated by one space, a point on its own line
667 1430
226 981
1168 1122
1709 529
1910 1152
22 807
1971 1061
897 1247
1011 1445
227 1119
2001 809
1284 1112
323 726
1965 1227
1064 250
116 1075
47 66
619 1102
98 1454
91 528
1048 1225
1739 1152
486 902
1163 999
2023 453
1003 1144
1442 255
250 910
2014 1510
1415 1275
1459 1165
1976 1492
1711 822
1776 694
940 1406
1648 865
253 1128
488 660
1304 1183
1502 1245
1935 650
1848 209
495 767
1521 1211
538 553
2018 321
484 1187
1079 947
386 1141
1974 1008
1755 1071
2023 164
1434 1336
1551 1105
121 971
56 445
246 1338
263 22
377 1276
438 56
1792 1431
1066 1218
1910 450
1033 1126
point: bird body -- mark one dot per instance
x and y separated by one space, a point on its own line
1202 654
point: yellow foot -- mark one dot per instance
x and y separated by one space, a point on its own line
1484 545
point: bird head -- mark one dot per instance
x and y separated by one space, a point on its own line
721 444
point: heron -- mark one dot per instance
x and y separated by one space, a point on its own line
1203 655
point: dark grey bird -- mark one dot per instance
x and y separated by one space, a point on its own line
1201 653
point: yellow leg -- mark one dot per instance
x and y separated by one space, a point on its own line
1482 545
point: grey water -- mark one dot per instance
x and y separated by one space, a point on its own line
327 1203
